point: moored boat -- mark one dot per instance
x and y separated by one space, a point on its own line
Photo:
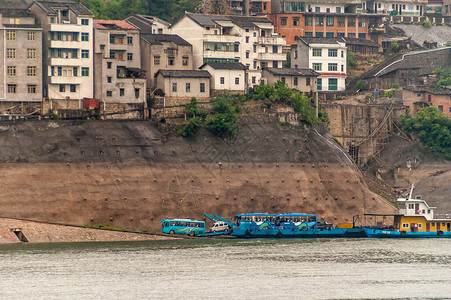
416 219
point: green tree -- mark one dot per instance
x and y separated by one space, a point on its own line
225 118
433 128
351 61
301 104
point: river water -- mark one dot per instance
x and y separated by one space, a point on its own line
228 269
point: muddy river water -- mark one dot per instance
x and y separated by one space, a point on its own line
228 269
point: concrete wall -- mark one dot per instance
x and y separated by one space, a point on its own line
130 175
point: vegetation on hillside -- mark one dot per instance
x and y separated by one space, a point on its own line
168 10
444 77
223 118
433 129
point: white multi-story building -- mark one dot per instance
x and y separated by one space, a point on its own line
68 72
248 40
118 74
326 56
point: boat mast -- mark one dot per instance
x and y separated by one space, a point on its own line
411 191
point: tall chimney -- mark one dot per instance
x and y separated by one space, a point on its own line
246 8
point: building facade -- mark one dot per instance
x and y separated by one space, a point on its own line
304 80
248 40
326 56
183 84
229 77
21 59
68 75
165 52
416 99
118 74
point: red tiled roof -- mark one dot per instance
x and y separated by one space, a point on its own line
120 24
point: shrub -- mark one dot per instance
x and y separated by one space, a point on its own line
225 118
191 127
361 85
350 59
395 85
394 47
427 23
301 104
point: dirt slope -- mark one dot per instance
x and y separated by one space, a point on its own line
128 174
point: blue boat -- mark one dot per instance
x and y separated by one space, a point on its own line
289 225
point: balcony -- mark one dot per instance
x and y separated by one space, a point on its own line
65 44
221 54
272 56
68 27
76 62
271 41
119 47
216 38
65 79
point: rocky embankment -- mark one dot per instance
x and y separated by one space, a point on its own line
128 174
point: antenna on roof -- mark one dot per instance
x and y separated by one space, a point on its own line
411 191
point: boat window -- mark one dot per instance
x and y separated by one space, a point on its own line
433 224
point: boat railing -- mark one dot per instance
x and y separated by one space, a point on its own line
442 216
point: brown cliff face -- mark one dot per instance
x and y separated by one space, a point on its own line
128 174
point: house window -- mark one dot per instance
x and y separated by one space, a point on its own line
307 81
59 36
316 52
405 225
111 39
332 67
319 83
340 21
330 21
440 108
237 80
108 79
174 86
275 64
202 87
362 22
171 60
62 88
31 89
283 79
338 10
31 53
308 34
188 87
73 88
108 65
254 79
31 36
84 21
295 81
11 53
84 71
283 21
121 92
109 93
308 21
236 47
11 88
247 54
130 40
31 71
247 39
52 20
112 54
156 59
342 68
60 71
420 225
329 34
333 84
74 36
254 48
295 54
351 22
362 35
129 56
316 66
296 22
318 34
275 49
255 65
221 80
185 60
332 52
85 37
136 93
10 35
84 53
319 20
11 71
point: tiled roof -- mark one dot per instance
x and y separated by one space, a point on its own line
425 61
113 24
243 22
158 39
152 18
225 66
11 12
144 22
355 41
50 6
321 40
379 67
184 73
291 72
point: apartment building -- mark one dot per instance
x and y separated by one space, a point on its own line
21 59
326 56
398 7
304 80
218 38
68 75
117 60
148 24
165 52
